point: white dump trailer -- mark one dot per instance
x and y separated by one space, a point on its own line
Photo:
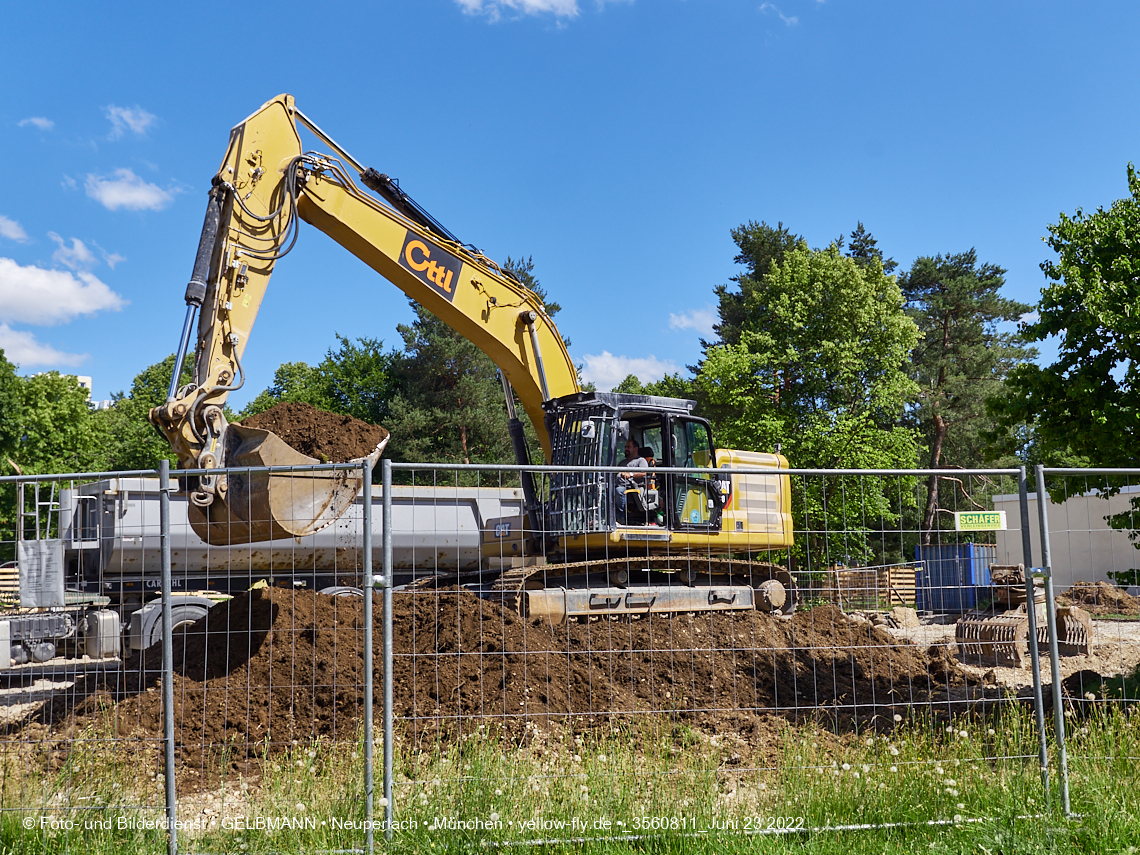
97 560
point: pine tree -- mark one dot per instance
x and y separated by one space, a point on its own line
962 359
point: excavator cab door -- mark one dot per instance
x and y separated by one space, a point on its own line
695 499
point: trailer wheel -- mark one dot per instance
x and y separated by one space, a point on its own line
182 617
146 623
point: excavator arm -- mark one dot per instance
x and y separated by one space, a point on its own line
265 186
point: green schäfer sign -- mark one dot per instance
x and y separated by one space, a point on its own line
979 520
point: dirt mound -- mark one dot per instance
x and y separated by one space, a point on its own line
328 437
274 666
1101 598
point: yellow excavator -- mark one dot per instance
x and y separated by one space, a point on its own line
708 534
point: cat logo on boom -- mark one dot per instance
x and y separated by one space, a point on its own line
431 264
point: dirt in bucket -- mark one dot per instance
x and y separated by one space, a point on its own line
327 437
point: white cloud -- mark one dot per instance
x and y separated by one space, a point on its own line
112 258
126 190
494 9
23 349
68 183
37 122
75 256
790 20
124 119
12 230
606 370
33 295
701 320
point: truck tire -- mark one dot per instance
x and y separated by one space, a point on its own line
146 623
341 591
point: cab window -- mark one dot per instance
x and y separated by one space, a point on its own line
695 496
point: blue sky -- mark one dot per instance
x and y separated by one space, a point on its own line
616 142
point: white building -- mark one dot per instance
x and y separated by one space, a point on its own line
1083 548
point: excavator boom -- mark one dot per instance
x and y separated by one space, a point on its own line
265 186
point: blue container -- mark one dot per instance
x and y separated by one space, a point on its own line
951 574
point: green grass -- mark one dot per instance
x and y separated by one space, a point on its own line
488 791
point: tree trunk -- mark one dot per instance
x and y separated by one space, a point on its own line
928 516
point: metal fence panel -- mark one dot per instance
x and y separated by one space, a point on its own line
1090 523
741 652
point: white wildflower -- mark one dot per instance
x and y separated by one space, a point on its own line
494 817
299 807
894 768
898 718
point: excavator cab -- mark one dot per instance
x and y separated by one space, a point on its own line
591 428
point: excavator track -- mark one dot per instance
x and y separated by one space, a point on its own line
633 586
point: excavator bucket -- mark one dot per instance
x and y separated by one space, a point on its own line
261 506
999 633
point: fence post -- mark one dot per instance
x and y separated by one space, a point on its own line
1051 620
387 648
167 661
369 783
1034 655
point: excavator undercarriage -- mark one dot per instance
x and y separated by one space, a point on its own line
623 587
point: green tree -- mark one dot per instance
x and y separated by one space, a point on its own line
9 414
440 396
762 247
1084 408
10 432
631 385
448 402
820 369
293 382
56 429
127 439
354 379
863 247
962 359
669 386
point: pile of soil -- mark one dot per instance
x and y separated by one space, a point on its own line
1101 598
327 437
276 666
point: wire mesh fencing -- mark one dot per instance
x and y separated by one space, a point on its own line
727 651
514 654
72 756
1090 521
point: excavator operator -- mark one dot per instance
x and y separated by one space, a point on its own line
632 479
